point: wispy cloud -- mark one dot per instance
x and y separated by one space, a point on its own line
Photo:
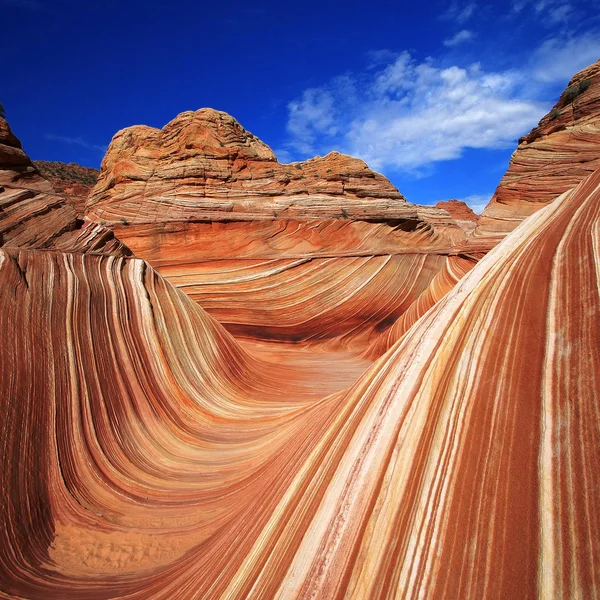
560 57
410 115
459 12
548 12
477 202
75 141
464 35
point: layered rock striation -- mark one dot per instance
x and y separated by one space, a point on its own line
33 216
554 157
204 166
302 252
70 181
146 456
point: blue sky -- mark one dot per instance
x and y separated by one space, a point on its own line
432 94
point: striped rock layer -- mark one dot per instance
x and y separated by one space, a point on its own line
328 281
33 216
321 251
147 456
554 157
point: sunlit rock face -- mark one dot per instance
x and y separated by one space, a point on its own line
204 166
321 251
146 455
462 213
554 157
33 216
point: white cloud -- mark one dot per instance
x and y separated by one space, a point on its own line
477 202
459 12
412 114
464 35
309 116
559 58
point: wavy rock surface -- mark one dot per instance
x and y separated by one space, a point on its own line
304 252
147 456
554 157
33 216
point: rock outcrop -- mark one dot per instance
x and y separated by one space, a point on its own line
314 251
71 181
33 216
461 212
554 157
204 166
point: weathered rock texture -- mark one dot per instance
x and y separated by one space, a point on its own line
146 456
70 181
554 157
461 212
204 166
33 216
304 252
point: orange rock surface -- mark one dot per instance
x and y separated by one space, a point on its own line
431 432
315 251
33 216
70 181
147 455
554 157
461 212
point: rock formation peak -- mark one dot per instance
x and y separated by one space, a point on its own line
554 157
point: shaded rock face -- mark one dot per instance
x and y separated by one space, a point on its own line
70 181
33 216
554 157
308 252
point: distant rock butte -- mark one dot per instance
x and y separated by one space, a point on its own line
71 181
461 212
554 157
33 216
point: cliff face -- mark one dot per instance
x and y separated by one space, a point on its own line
554 157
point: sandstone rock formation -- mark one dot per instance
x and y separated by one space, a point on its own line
461 212
554 157
304 252
146 455
33 216
204 166
149 454
70 181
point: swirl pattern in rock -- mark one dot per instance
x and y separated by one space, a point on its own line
147 456
315 251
